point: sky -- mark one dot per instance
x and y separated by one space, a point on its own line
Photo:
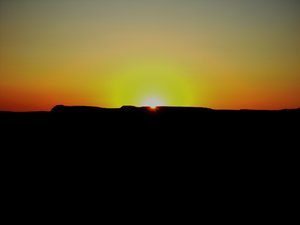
232 54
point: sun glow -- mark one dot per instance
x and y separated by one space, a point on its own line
153 103
152 83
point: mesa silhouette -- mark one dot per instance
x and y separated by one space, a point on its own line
142 117
159 109
142 128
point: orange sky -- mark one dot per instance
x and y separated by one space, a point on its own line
212 53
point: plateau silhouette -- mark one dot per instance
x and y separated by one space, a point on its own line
188 141
141 123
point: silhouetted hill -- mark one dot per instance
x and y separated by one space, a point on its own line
138 122
232 152
90 109
166 127
171 109
76 109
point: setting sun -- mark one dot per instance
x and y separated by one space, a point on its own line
153 103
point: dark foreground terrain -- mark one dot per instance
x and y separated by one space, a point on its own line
145 128
176 135
168 134
245 162
129 135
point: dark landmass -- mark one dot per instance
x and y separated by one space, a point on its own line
164 131
217 153
151 126
135 115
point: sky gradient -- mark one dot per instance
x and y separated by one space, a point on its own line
213 53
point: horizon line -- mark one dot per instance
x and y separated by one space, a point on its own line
145 107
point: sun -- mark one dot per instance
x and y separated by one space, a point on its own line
153 103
